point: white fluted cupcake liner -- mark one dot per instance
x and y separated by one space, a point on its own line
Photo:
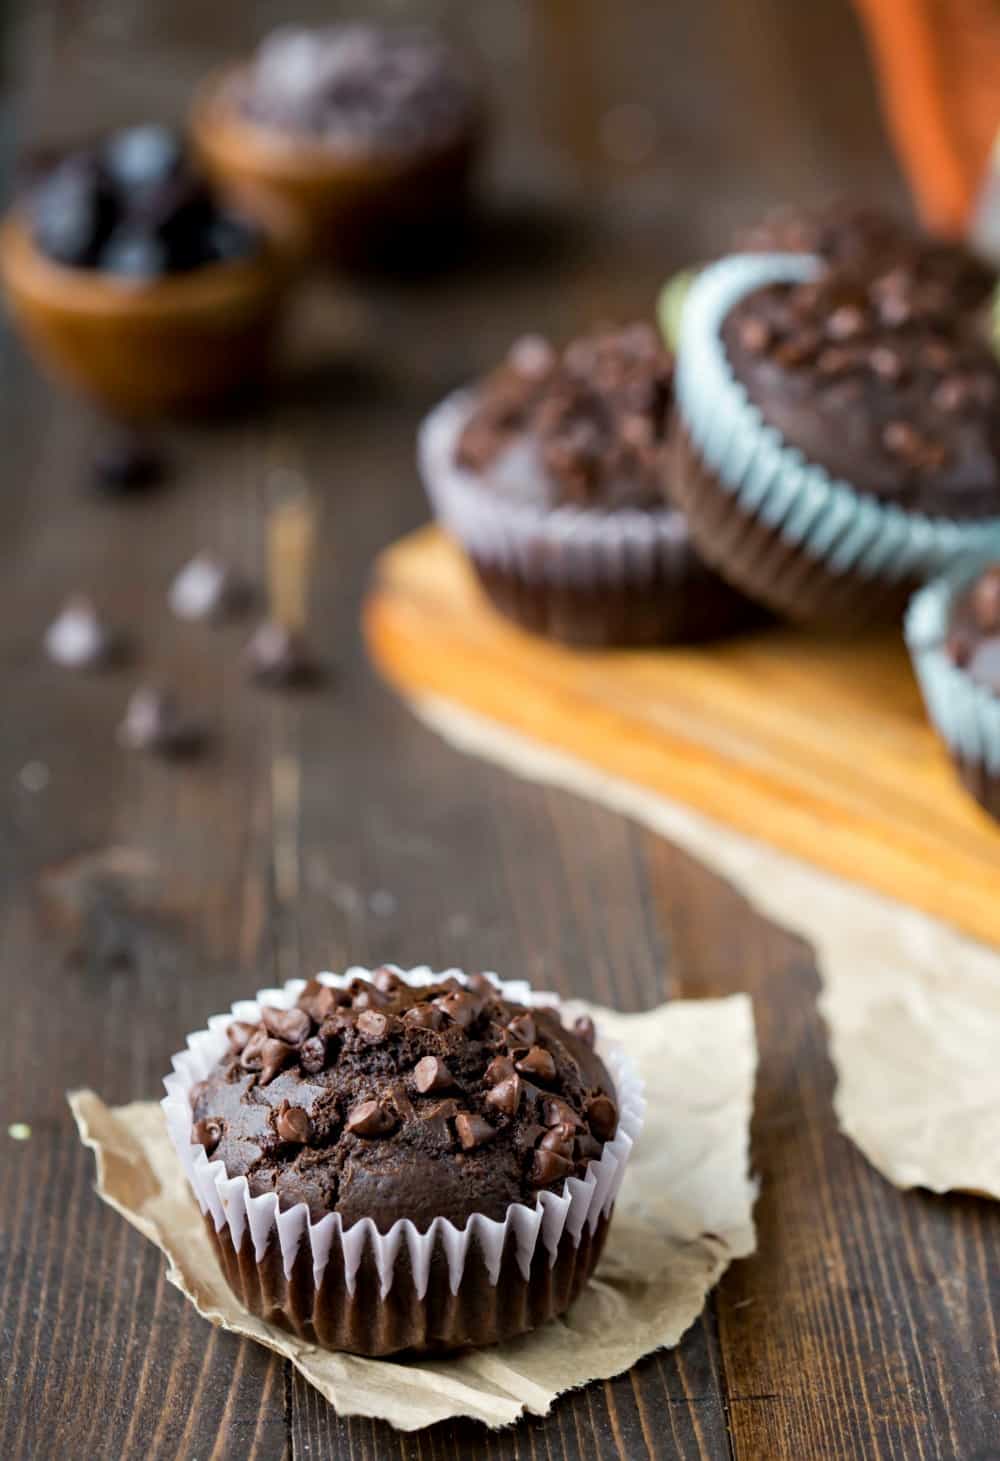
580 1204
965 713
833 522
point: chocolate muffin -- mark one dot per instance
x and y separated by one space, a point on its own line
837 438
549 473
419 1129
863 241
953 633
365 130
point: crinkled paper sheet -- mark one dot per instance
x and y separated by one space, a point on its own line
912 1006
684 1213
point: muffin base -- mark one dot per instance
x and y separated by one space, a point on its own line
756 557
689 605
364 1323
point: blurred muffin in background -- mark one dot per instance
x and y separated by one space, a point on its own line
549 474
136 282
369 133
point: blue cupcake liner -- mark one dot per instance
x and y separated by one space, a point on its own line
836 524
965 713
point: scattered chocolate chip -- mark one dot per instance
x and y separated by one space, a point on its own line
154 722
602 1116
500 1068
846 322
319 1000
461 1007
473 1131
548 1167
274 1056
559 1139
587 1147
386 980
369 1119
836 360
584 1030
936 355
373 1024
280 657
401 1100
555 1110
252 1054
954 393
913 449
424 1017
522 1029
126 462
207 1134
312 1055
206 589
291 1026
78 640
506 1095
293 1124
365 996
985 601
238 1033
754 335
798 350
431 1074
529 1135
886 363
539 1063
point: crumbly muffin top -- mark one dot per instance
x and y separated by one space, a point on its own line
974 634
389 1101
360 88
876 380
584 426
868 240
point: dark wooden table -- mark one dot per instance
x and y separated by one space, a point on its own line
866 1325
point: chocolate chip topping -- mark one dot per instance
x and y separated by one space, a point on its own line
589 424
973 642
388 1101
880 381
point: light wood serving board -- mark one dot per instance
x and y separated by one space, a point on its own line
818 746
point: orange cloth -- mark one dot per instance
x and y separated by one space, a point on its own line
939 69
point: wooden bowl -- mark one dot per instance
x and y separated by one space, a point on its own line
348 206
150 348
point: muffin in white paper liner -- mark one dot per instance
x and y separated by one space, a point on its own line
584 575
323 1280
778 525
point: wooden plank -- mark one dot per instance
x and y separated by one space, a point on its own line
821 746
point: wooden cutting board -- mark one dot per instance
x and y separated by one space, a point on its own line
818 746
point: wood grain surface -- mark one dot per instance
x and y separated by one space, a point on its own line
137 897
819 745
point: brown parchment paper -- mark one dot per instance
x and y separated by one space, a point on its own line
912 1007
684 1213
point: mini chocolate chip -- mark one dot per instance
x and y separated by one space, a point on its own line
238 1033
837 360
431 1074
846 322
424 1017
559 1139
480 984
602 1115
549 1167
798 350
473 1131
312 1055
538 1062
587 1146
506 1095
936 355
583 1029
386 980
369 998
400 1099
886 363
754 335
462 1008
555 1110
319 1000
369 1119
274 1056
500 1068
251 1055
907 443
985 601
292 1026
954 393
373 1024
522 1029
207 1133
293 1124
